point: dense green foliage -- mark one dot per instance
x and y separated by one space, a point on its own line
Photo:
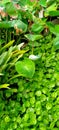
29 65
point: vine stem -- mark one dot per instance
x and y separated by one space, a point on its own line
15 76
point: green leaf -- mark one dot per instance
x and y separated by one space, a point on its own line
54 13
6 1
6 24
25 68
36 27
33 37
11 9
4 86
35 44
7 119
52 7
56 43
53 28
48 106
26 2
57 29
2 57
43 3
11 24
7 45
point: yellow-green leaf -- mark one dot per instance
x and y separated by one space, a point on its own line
4 86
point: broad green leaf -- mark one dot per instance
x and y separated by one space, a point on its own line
54 13
33 37
6 24
23 2
26 2
36 27
53 28
42 3
11 9
50 2
35 44
25 68
6 1
11 24
52 7
56 43
57 29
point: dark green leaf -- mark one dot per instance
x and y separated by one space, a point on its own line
54 13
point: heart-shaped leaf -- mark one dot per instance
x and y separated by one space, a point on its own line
25 68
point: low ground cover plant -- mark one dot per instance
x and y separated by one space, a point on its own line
29 65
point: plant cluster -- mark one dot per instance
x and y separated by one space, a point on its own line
29 65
